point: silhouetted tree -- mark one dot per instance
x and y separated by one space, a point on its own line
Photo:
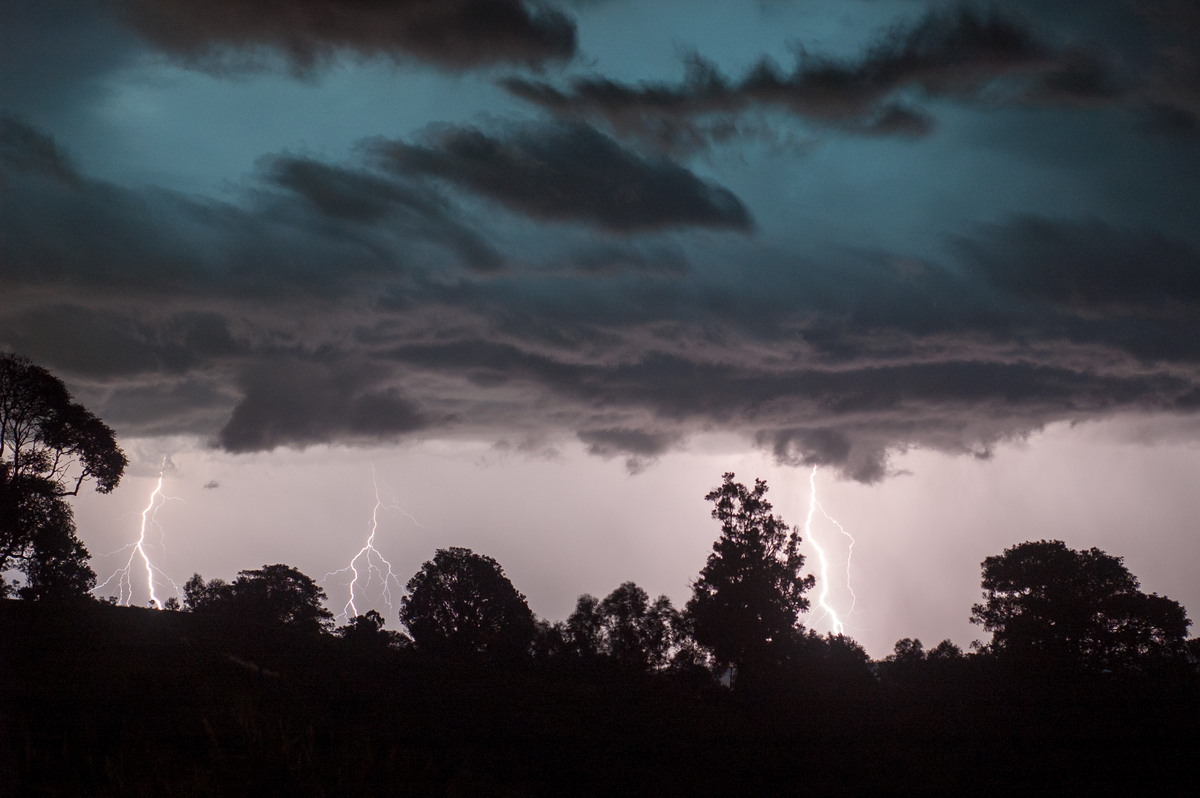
906 664
584 629
908 649
461 605
823 662
210 596
626 627
49 447
846 660
274 594
639 634
57 569
750 594
945 651
910 665
366 633
1052 605
549 640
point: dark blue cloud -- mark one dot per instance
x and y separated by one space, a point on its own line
963 54
568 172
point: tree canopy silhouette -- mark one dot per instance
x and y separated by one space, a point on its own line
274 595
50 447
625 627
1046 603
461 605
366 633
750 594
56 568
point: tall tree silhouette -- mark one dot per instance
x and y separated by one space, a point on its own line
461 605
750 594
50 447
1048 603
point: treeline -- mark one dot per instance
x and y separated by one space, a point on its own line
1088 686
1047 607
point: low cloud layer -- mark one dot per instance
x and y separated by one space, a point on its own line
337 303
294 402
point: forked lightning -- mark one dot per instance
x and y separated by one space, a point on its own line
837 626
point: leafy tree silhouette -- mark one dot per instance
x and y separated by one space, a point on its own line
747 601
910 664
1048 604
584 629
277 595
460 605
49 447
639 633
366 633
57 568
626 627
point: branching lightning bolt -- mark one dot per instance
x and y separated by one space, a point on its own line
137 551
814 504
371 561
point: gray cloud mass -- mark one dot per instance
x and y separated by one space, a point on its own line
570 172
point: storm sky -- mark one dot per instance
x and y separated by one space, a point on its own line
549 269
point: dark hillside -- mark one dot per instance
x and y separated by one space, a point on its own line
109 701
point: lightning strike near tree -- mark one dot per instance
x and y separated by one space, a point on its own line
124 575
370 562
814 504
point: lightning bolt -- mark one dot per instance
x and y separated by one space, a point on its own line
369 561
137 551
814 504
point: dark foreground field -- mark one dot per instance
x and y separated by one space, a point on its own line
108 701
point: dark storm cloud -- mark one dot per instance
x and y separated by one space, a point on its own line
958 396
1172 91
23 148
640 448
570 172
300 403
98 341
451 34
301 226
54 54
964 54
1088 266
826 447
355 196
336 304
612 259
